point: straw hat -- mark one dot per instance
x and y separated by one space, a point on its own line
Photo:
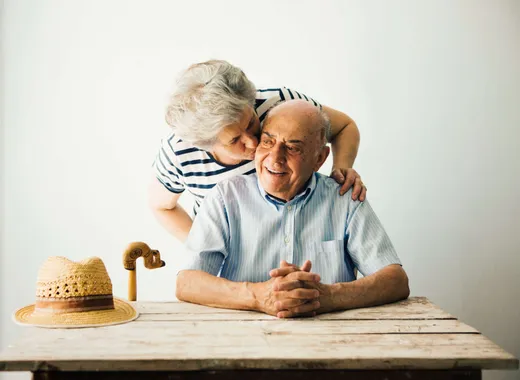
74 294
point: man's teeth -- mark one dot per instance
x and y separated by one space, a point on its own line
274 171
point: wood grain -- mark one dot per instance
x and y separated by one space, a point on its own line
412 308
305 326
175 336
169 351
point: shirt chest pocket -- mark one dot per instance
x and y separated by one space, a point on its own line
329 247
327 259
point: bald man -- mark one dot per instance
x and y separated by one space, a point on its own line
283 241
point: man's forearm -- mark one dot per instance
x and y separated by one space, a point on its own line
345 146
176 221
390 284
205 289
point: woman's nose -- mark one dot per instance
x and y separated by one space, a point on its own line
250 141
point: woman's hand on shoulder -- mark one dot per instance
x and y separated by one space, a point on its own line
348 178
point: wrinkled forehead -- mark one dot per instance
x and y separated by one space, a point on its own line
291 127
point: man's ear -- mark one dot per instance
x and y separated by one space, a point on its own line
322 156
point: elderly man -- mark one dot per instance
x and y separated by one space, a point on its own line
289 213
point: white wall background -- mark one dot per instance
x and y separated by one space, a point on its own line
433 85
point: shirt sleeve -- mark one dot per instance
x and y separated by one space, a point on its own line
267 98
209 236
167 168
367 242
289 94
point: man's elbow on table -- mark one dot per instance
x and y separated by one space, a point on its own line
181 285
402 288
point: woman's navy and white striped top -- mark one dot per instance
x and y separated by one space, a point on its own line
180 166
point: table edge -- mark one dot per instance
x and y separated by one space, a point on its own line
265 363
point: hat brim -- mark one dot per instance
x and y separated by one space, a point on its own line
122 312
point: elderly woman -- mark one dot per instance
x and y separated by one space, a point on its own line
216 115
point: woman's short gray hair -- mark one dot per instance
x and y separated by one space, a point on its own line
208 96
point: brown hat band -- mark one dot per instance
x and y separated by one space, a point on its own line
74 304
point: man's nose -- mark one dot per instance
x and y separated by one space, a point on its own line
277 154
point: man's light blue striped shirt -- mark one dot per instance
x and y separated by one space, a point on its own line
241 233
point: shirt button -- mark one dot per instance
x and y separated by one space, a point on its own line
286 240
289 208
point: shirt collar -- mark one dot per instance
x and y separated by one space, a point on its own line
304 195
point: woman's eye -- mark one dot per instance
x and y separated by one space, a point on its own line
234 141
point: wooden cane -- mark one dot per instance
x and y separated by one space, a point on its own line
151 258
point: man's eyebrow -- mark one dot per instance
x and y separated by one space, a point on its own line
289 141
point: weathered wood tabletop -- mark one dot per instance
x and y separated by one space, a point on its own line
404 340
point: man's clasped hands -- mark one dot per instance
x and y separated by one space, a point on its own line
293 291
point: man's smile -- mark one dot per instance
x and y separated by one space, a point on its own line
275 172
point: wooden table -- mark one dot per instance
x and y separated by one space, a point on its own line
413 339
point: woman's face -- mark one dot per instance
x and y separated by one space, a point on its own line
238 141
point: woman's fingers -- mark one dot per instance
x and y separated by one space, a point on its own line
363 194
357 189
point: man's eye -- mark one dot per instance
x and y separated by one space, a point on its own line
267 142
293 149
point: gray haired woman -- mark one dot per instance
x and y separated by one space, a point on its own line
216 114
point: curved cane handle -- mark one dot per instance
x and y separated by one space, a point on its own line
151 258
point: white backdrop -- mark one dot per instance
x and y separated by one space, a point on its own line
433 85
